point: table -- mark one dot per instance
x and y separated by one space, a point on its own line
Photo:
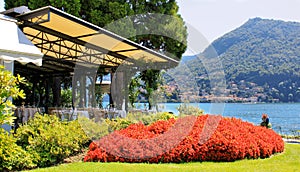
24 114
67 114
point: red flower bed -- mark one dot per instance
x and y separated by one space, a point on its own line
202 138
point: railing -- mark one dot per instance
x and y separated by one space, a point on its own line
91 113
24 114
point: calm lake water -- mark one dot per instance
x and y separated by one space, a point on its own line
285 117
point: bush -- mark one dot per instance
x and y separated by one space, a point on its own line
66 97
158 116
187 139
9 88
134 118
148 118
97 130
12 156
49 140
94 130
186 109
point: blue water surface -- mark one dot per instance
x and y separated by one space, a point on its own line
284 117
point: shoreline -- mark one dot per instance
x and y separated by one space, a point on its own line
294 141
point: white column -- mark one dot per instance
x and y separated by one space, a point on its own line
9 65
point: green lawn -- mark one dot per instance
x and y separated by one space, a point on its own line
289 161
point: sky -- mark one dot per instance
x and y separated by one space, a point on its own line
214 18
1 5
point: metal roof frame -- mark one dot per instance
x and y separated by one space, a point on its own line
66 41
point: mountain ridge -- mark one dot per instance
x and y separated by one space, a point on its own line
262 53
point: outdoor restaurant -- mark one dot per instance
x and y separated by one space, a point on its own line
50 47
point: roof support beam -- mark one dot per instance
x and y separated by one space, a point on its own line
77 41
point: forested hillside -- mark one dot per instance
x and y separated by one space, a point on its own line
261 61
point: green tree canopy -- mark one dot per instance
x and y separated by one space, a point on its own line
70 6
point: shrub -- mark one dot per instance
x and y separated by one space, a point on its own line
9 88
117 124
160 116
96 130
187 139
50 140
186 109
148 118
66 97
12 156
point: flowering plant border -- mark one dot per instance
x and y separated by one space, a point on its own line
233 139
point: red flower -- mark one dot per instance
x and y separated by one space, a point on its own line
202 138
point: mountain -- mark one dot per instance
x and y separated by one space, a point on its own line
185 59
260 59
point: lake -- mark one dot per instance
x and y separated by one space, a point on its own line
285 117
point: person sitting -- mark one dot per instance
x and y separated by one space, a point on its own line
265 121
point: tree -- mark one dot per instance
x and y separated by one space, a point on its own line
151 83
70 6
151 32
134 90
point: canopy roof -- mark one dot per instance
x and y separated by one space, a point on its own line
14 45
67 41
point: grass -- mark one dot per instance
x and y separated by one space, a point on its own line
289 161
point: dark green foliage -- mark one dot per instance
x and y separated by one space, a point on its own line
263 47
49 140
151 83
69 6
66 97
266 53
